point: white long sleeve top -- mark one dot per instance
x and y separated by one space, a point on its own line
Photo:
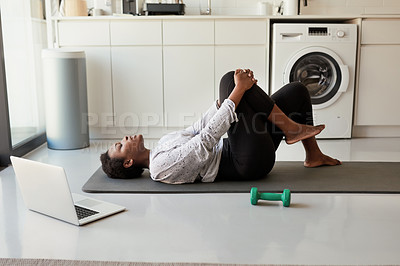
195 152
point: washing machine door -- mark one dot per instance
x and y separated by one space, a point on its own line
322 72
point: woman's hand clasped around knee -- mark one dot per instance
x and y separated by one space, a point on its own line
244 79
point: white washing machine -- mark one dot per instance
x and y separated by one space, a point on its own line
323 58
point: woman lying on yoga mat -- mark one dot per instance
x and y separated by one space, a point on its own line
255 123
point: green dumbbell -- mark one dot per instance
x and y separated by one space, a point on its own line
284 197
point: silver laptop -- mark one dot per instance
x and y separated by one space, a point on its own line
45 190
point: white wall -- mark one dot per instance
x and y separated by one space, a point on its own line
352 7
315 7
223 7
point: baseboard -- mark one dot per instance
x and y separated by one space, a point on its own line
376 131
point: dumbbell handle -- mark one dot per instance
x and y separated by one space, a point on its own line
284 197
270 196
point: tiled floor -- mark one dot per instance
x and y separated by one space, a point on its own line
358 149
219 228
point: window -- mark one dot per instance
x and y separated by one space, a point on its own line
22 37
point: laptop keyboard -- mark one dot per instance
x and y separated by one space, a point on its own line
83 212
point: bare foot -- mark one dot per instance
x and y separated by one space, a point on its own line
302 132
320 161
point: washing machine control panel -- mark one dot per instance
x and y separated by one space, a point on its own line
314 33
327 33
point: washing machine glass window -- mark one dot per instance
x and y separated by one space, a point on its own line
320 73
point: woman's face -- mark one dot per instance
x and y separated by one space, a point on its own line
128 148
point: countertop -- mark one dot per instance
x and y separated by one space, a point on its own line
199 17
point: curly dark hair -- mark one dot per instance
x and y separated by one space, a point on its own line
114 168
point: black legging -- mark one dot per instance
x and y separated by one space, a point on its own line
249 150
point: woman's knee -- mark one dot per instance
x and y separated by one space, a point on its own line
299 90
291 94
226 85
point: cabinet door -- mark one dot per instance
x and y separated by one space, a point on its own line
241 31
99 89
133 32
137 86
74 33
188 83
188 32
229 58
378 92
380 31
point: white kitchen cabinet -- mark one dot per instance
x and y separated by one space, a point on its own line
93 37
378 91
241 44
136 49
241 31
137 86
188 83
99 88
188 70
162 72
128 32
197 32
380 31
229 58
81 32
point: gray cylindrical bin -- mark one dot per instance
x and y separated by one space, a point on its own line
66 99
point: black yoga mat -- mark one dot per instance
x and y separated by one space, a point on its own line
350 177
